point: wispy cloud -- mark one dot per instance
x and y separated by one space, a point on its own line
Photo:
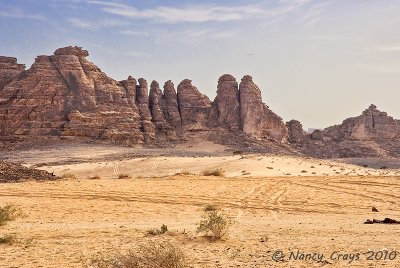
199 13
387 49
133 33
19 14
94 25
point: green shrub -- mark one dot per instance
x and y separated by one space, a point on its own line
214 224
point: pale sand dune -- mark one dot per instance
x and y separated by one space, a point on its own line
68 221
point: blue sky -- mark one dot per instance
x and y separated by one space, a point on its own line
318 61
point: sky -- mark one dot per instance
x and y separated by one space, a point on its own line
317 61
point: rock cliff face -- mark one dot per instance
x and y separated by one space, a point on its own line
9 69
65 95
194 107
257 119
227 104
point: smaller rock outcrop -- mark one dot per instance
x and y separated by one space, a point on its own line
372 124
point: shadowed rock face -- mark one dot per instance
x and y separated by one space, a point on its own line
257 120
296 132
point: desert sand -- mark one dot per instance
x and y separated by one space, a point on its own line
276 203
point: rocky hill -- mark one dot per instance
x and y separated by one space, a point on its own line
65 96
372 134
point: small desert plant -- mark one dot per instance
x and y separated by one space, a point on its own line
184 172
304 171
215 223
210 207
9 213
237 152
162 230
68 176
214 172
149 255
95 177
124 176
7 239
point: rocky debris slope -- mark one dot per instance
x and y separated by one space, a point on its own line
67 96
12 172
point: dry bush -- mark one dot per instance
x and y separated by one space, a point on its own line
237 152
214 172
184 172
211 207
7 239
9 213
149 255
160 231
68 176
95 177
214 224
124 176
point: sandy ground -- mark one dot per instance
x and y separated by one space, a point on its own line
276 203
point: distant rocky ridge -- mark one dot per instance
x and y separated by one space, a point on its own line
66 96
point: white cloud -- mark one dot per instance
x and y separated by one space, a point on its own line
388 49
19 14
94 25
204 13
133 33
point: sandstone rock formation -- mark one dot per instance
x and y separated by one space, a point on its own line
9 69
372 124
227 103
194 107
66 95
295 131
372 134
257 120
